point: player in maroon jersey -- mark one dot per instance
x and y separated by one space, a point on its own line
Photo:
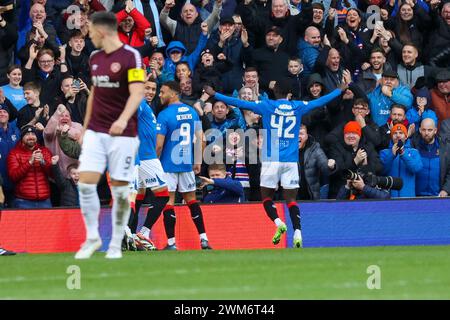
110 133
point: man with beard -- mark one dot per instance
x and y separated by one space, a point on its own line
387 93
29 166
434 178
400 159
178 145
309 49
373 70
151 177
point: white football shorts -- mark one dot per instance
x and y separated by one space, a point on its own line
274 172
101 150
185 181
151 175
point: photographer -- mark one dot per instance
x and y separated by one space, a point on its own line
401 160
225 189
357 189
353 152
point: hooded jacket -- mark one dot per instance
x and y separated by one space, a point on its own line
191 59
413 115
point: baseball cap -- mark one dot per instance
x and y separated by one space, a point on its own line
225 20
443 75
274 29
390 73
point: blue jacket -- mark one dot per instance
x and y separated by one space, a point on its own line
308 53
8 140
225 191
413 117
428 179
405 166
235 120
380 105
192 59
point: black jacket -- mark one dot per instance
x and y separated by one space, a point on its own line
67 188
344 156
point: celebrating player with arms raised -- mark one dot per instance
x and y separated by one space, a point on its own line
281 120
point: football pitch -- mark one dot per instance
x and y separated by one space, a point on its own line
420 272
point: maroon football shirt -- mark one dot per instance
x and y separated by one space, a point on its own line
111 73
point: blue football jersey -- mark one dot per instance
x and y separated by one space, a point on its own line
281 120
178 123
146 131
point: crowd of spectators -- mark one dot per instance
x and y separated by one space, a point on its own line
393 120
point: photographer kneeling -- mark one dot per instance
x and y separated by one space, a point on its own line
358 189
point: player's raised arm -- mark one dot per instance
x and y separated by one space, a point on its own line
242 104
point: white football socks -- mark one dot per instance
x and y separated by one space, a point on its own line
278 222
90 208
120 214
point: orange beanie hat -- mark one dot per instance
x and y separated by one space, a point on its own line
397 127
353 126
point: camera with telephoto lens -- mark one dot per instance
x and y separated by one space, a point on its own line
387 182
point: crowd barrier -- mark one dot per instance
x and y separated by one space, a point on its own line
246 226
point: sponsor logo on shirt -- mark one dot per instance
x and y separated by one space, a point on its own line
103 82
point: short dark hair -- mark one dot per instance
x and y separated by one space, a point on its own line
282 88
250 69
398 106
104 18
35 86
173 85
361 102
218 167
378 50
72 166
76 33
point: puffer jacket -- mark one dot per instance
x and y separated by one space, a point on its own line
309 54
405 166
31 180
315 160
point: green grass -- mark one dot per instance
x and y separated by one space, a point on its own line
326 273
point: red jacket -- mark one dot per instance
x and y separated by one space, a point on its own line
441 105
137 34
31 180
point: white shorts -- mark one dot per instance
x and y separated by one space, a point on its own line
274 172
151 175
185 181
100 150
